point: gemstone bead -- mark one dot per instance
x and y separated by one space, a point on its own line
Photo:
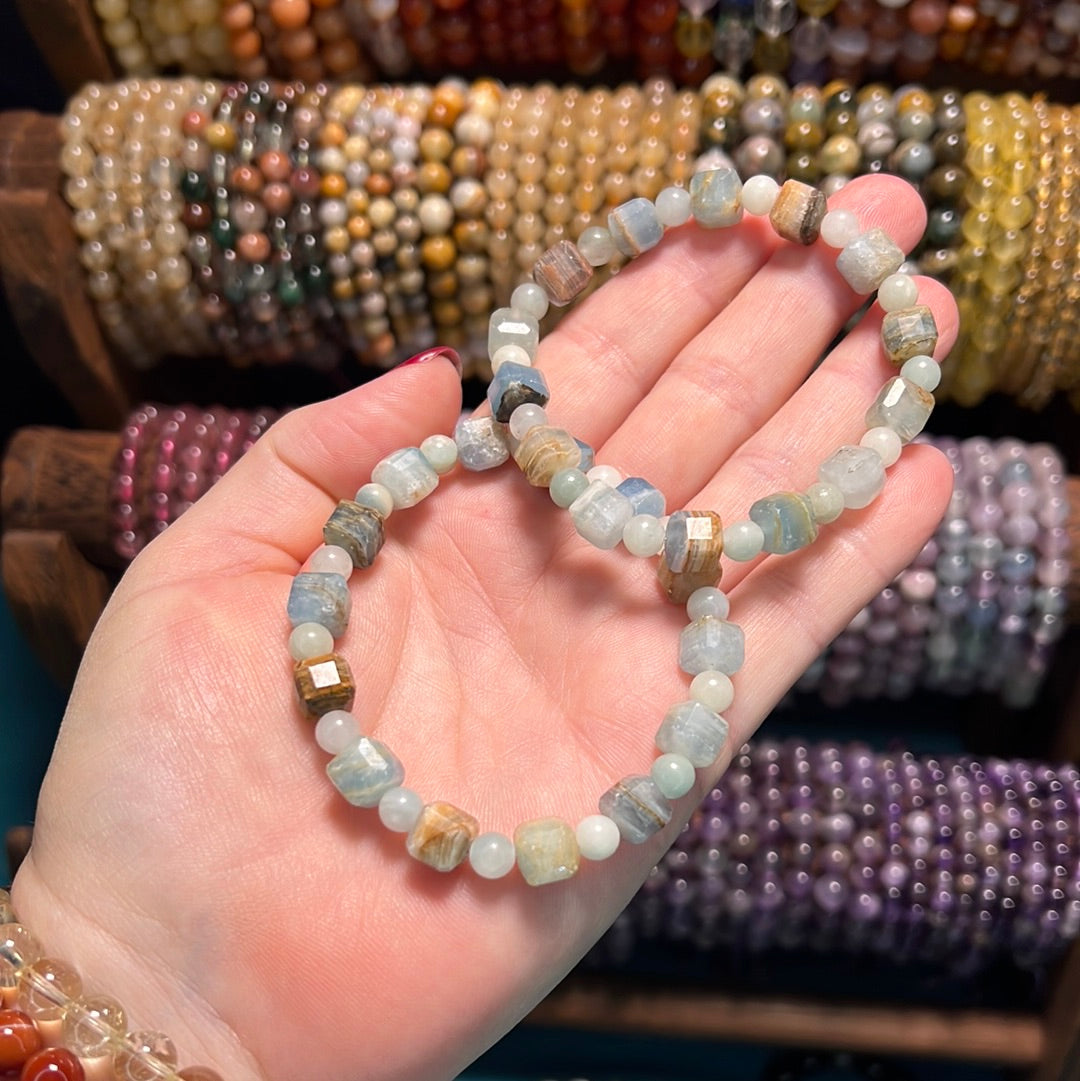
637 807
600 514
492 855
644 497
713 689
786 520
528 297
674 775
839 228
693 543
693 730
567 485
708 601
513 385
797 212
562 272
335 730
19 1039
18 948
377 497
909 332
598 837
715 197
52 1064
897 291
481 443
510 326
547 851
743 540
91 1024
331 559
588 456
144 1055
359 530
440 452
673 206
884 442
902 406
857 471
524 418
826 502
597 245
407 475
46 987
759 193
545 451
643 536
324 683
711 643
442 836
922 371
869 259
320 598
399 808
364 771
634 226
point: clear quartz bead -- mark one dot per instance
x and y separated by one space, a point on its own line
92 1024
45 987
18 948
145 1055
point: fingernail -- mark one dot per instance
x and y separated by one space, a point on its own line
432 354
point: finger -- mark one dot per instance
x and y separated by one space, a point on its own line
753 355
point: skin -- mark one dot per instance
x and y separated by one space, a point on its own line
190 855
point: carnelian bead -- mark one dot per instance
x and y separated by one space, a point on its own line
52 1064
290 14
656 16
19 1039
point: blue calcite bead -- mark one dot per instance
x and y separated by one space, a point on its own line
711 644
694 731
513 385
634 226
902 406
600 514
588 456
869 259
408 476
787 520
481 443
359 530
511 326
547 851
858 472
637 807
364 771
315 597
715 196
644 497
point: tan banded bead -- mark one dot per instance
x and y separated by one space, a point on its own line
324 683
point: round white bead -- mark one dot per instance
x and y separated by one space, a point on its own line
597 837
674 775
513 354
606 473
923 371
884 442
331 559
713 689
643 535
759 193
897 291
492 855
441 453
309 640
596 245
566 486
526 417
335 730
528 297
708 601
399 808
826 501
377 497
673 206
743 540
839 228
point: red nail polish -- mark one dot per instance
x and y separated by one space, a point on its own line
432 354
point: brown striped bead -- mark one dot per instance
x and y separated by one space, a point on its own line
324 683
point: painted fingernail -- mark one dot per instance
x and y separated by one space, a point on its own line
433 354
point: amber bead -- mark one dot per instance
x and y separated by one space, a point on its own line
19 1039
52 1064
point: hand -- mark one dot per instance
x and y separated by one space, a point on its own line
190 855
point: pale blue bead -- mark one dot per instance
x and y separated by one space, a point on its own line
903 406
826 502
634 226
857 471
320 598
364 771
869 259
693 730
644 497
638 807
711 643
399 808
492 855
743 540
597 837
511 326
407 475
674 775
597 245
673 206
530 298
708 601
481 443
786 520
715 197
566 486
377 497
588 456
600 514
310 640
513 385
441 453
331 559
335 730
643 535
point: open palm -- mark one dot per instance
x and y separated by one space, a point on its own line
190 855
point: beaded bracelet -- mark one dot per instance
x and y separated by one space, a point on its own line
605 509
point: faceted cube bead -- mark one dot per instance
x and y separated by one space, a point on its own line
637 807
547 851
796 215
711 644
857 471
408 476
643 496
600 514
364 771
441 836
545 451
562 272
359 530
902 406
510 326
481 443
588 456
694 731
909 332
324 683
715 197
513 385
787 520
634 226
869 259
693 544
315 597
